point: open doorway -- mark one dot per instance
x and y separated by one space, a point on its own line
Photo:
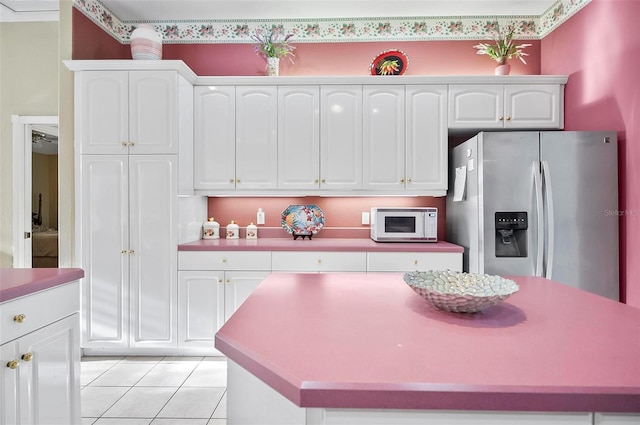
35 206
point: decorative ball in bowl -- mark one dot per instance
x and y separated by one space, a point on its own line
460 292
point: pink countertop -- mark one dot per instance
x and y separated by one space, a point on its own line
369 341
16 283
326 244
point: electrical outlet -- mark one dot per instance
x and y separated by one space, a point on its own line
365 217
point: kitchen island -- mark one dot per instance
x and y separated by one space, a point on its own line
354 348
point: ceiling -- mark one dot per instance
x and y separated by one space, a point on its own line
166 10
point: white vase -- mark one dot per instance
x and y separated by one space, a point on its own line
503 69
273 66
146 43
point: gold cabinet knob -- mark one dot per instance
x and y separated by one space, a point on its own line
315 180
219 281
324 180
415 262
230 180
224 260
19 318
130 144
237 180
319 261
27 357
132 252
123 144
501 118
228 281
124 251
508 118
401 180
13 364
409 181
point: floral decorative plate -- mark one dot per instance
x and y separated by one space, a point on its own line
302 220
389 62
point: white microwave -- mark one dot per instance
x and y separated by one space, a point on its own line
408 224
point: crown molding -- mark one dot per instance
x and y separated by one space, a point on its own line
332 30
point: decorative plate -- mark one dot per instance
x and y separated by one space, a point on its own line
302 220
460 292
389 62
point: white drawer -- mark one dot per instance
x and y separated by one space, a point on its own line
412 261
318 261
224 260
39 309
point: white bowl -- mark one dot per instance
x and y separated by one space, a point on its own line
460 292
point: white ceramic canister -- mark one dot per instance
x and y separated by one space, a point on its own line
233 230
252 231
146 43
211 229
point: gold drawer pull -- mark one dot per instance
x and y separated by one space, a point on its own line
13 364
319 261
19 318
27 357
415 262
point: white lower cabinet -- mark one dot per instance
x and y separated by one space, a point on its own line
616 419
412 261
319 261
40 369
207 297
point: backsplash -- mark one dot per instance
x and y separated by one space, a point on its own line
342 215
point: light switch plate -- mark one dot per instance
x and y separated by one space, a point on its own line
365 218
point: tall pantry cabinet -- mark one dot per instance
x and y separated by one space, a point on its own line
127 129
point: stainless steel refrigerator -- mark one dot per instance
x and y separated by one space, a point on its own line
538 204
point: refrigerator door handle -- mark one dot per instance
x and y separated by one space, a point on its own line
537 180
550 223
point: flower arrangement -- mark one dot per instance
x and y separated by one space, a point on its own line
272 44
504 47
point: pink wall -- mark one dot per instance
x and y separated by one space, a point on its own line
338 212
599 48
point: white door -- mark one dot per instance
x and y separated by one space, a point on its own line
298 137
256 137
153 246
153 112
341 137
532 106
384 134
104 232
102 99
426 138
50 374
238 286
200 307
476 106
215 138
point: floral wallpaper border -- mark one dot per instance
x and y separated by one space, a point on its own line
339 29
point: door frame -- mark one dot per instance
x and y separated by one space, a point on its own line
22 127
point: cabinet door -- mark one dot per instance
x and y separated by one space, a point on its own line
384 134
50 374
200 307
532 106
298 137
9 383
426 139
153 112
238 286
104 232
476 106
215 138
341 137
102 117
256 137
153 197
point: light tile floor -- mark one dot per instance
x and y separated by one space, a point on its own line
154 390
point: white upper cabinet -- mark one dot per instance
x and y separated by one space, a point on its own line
426 138
215 138
341 137
128 112
486 106
298 137
383 134
256 137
